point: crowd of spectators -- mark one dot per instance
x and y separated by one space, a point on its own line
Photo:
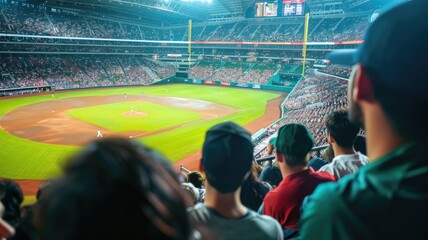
203 70
72 71
221 32
229 72
22 18
163 70
311 100
337 70
18 73
259 73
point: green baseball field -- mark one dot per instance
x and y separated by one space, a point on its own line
38 133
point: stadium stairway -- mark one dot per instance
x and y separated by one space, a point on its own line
152 74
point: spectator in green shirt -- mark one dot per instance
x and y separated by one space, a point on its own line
388 198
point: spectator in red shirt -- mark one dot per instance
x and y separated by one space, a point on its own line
293 146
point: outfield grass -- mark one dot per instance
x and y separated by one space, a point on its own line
110 116
24 159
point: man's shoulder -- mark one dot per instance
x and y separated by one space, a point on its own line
263 226
327 168
274 194
363 158
316 209
330 190
250 226
326 209
263 218
339 195
201 209
323 176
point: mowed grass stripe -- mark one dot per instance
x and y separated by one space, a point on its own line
24 159
110 116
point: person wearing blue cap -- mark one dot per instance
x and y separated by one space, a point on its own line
386 199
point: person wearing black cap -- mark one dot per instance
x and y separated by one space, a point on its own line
386 199
293 145
227 156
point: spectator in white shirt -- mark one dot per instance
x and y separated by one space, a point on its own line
341 133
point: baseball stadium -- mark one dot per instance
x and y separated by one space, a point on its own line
162 73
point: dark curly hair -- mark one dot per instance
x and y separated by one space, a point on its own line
115 189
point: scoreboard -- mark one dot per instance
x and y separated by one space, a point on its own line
274 8
293 7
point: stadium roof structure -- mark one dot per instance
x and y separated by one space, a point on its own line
176 12
155 12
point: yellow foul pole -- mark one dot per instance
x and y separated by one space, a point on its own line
305 40
189 49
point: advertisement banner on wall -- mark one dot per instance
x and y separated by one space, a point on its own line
242 85
209 82
196 81
257 86
225 83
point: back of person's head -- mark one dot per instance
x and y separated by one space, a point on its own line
11 196
115 189
227 156
392 60
196 178
271 175
294 142
341 128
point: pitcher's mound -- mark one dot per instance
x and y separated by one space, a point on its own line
134 114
